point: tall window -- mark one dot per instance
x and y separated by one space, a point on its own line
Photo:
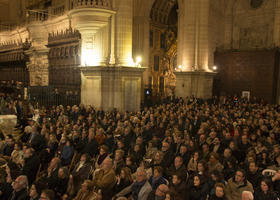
151 39
156 63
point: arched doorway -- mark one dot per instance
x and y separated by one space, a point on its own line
163 48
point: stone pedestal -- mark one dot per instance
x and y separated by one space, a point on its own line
7 123
112 87
38 67
196 83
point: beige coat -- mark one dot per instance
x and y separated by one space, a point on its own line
234 191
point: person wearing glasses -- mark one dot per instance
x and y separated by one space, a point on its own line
159 193
237 184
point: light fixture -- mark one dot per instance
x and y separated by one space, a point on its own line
180 67
214 68
138 61
90 57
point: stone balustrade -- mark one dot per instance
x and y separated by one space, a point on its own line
35 16
106 4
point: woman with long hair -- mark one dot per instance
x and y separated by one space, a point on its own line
197 189
123 180
192 165
265 191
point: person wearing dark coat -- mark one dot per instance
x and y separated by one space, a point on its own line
219 192
35 190
9 146
265 192
254 175
81 172
67 153
185 154
177 167
36 141
197 190
20 188
123 180
168 155
276 181
91 146
31 164
156 179
62 182
179 186
159 193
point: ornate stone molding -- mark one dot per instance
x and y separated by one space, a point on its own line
13 51
64 37
107 4
64 47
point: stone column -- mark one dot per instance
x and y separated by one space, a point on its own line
195 52
194 41
277 23
124 19
229 18
141 30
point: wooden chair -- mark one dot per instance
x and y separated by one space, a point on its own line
74 160
38 172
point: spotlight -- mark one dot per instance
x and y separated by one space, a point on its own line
138 59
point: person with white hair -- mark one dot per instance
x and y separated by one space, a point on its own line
247 195
140 189
20 188
105 179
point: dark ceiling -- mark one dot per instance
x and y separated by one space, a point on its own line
161 10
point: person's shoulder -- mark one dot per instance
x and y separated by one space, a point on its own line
148 185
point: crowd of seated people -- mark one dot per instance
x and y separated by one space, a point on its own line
184 150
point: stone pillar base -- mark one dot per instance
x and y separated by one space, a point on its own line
197 83
112 87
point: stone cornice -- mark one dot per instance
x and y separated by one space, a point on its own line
183 73
122 68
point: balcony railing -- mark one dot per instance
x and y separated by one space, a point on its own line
7 27
58 10
106 4
36 15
